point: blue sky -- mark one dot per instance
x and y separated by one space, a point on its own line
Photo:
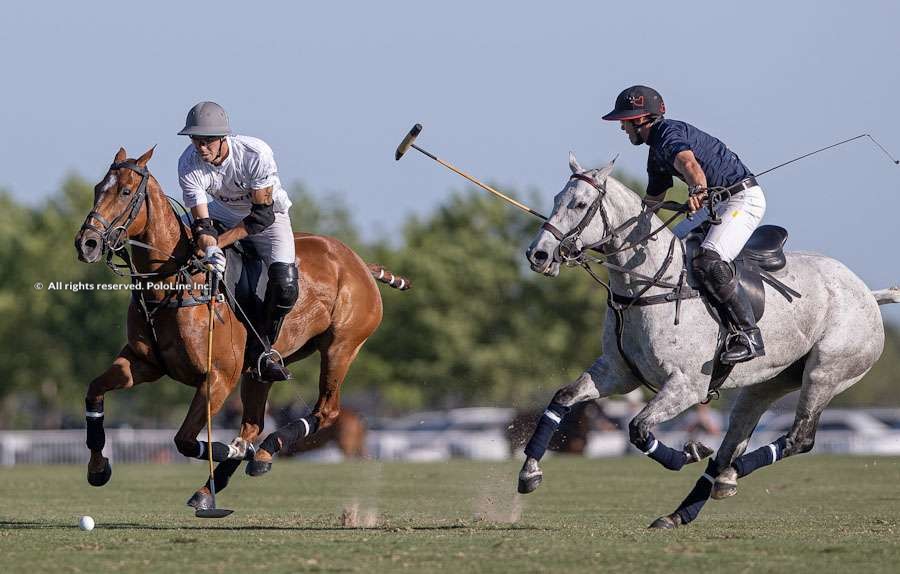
503 89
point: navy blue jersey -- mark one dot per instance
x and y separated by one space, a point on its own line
667 138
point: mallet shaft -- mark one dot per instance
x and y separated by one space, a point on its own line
481 185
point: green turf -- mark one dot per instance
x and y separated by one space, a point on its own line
804 515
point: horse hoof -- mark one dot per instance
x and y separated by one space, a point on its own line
666 522
721 490
102 477
696 451
257 468
530 483
201 500
725 485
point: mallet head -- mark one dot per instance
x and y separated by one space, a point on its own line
407 141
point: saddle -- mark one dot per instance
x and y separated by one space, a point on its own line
762 255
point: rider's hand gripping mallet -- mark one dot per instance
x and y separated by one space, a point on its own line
408 143
212 512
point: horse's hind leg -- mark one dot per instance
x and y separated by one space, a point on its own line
337 356
745 414
825 375
749 406
597 382
126 371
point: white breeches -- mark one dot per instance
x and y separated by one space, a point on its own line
740 215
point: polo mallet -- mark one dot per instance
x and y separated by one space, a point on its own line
212 512
408 143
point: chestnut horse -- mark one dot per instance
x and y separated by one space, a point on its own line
339 307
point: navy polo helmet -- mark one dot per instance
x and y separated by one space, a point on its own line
637 102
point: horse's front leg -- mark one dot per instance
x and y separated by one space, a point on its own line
186 439
676 395
254 394
597 382
126 371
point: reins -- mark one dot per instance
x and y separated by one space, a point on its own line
620 303
115 241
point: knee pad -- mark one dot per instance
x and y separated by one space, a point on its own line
283 288
715 274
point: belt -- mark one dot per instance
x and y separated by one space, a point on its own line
742 185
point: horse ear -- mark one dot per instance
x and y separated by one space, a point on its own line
142 161
573 163
120 156
604 171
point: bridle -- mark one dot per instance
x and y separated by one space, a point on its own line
570 245
114 234
572 252
571 248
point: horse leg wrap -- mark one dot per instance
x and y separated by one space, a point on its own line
664 455
290 433
763 456
690 507
223 472
93 415
546 426
220 451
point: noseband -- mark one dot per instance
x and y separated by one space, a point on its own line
570 244
115 233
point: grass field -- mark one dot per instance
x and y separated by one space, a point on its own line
804 515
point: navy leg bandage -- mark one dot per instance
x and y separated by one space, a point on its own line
223 473
93 416
763 456
546 426
290 434
220 451
664 455
690 507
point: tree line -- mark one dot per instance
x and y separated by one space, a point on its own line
478 327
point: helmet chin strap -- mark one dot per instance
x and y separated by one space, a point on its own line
637 127
222 144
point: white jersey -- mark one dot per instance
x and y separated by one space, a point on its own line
250 165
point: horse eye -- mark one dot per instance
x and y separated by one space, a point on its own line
126 191
580 205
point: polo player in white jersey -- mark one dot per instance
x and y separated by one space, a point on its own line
233 180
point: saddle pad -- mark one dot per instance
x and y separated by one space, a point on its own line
246 279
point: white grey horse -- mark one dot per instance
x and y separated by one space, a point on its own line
820 343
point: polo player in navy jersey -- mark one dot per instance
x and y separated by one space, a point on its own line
679 149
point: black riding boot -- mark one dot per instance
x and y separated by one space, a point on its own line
746 342
281 294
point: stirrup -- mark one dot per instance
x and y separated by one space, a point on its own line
747 352
272 359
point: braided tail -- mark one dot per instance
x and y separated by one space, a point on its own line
885 296
385 276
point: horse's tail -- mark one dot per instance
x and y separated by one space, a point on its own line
886 296
385 276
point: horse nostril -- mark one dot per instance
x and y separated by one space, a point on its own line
540 256
91 244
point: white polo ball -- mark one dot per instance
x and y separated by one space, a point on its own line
86 523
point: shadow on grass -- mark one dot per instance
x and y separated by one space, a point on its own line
26 525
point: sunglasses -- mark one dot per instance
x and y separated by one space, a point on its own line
205 140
